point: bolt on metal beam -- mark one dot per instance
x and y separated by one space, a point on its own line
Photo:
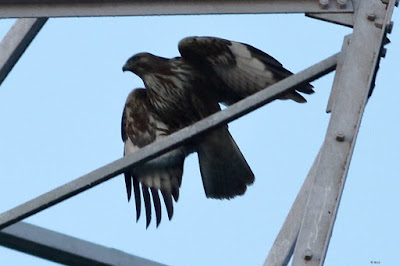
170 142
342 4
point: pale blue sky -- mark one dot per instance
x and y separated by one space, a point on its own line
60 111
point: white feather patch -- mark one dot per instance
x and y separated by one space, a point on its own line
243 56
240 50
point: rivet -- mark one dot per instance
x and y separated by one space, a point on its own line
340 137
371 16
342 3
324 4
307 255
379 25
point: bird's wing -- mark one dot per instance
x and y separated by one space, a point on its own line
239 69
140 127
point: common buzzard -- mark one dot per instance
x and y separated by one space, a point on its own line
181 91
179 96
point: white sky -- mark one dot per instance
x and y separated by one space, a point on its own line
60 111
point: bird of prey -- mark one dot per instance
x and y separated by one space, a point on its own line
183 90
179 96
237 69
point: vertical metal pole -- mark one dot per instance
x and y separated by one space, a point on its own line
16 41
352 92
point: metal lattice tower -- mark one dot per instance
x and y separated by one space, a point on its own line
306 232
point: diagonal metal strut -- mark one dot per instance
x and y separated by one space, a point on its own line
16 41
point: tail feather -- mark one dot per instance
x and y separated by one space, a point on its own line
224 169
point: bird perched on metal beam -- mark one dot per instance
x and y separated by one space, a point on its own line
179 96
181 91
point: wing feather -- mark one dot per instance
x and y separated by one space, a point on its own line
147 204
140 127
168 203
157 205
136 190
238 69
128 184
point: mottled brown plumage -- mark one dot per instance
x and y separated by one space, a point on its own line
184 90
180 96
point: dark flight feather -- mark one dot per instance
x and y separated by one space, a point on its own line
237 69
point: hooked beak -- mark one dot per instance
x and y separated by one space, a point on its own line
128 66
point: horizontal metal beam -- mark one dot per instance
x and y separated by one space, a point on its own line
170 142
57 247
73 8
16 41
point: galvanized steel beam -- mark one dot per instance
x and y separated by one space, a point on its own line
338 74
353 88
57 247
16 41
73 8
283 247
149 152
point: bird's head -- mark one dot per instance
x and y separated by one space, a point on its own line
142 63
